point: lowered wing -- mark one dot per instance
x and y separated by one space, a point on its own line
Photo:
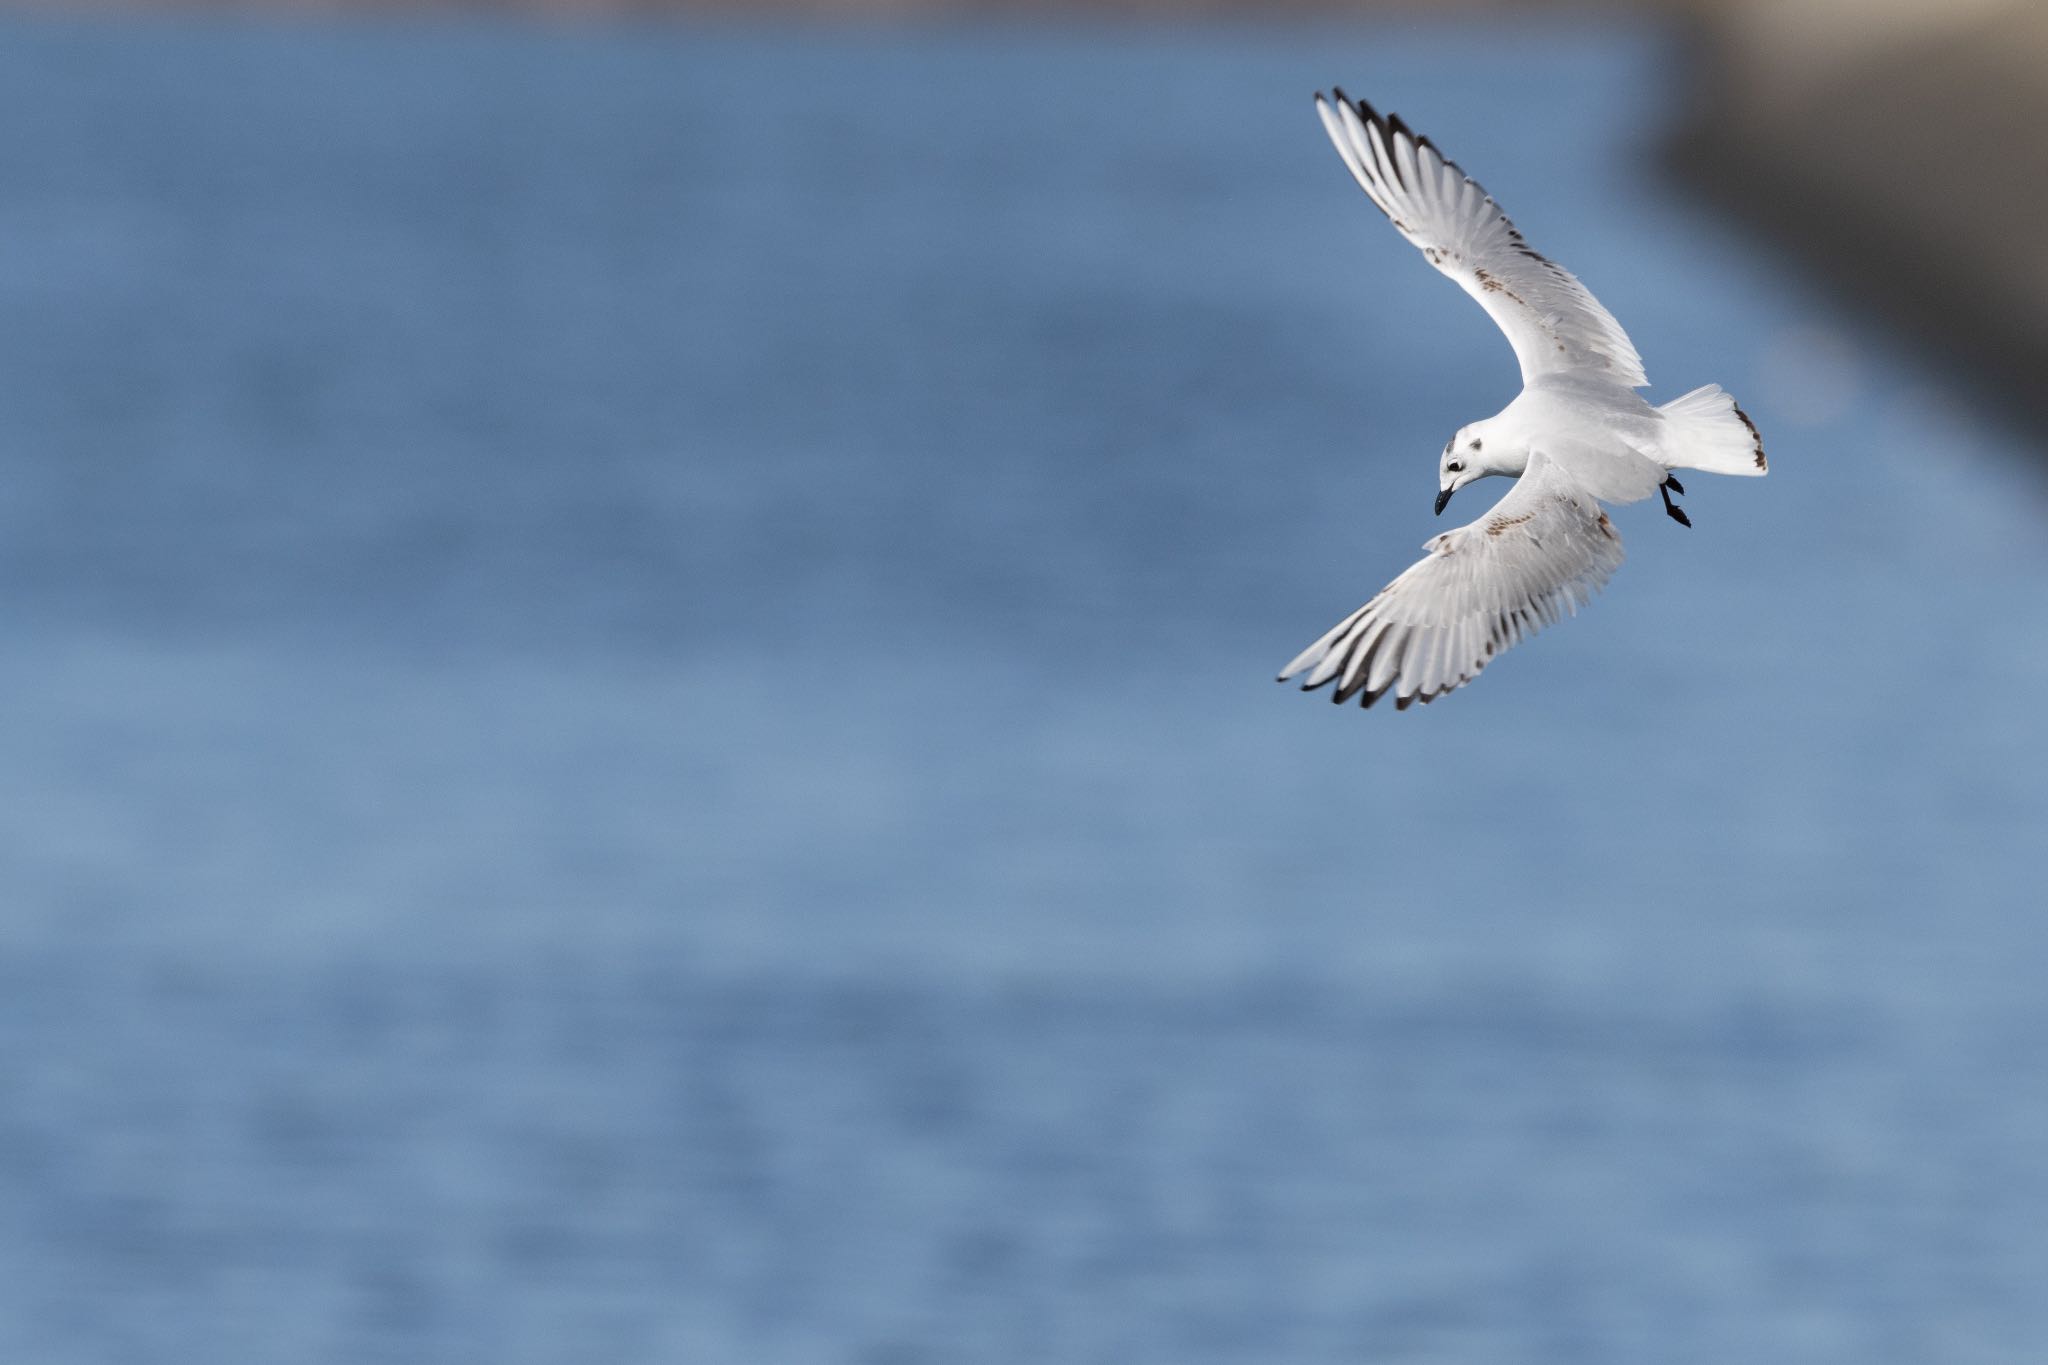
1537 557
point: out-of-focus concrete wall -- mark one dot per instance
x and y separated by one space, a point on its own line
1901 149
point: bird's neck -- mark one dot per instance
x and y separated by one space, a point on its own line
1512 463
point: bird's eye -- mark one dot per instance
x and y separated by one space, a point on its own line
1475 444
1455 466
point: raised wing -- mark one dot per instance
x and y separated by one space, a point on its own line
1551 320
1538 556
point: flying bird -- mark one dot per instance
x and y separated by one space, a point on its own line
1576 436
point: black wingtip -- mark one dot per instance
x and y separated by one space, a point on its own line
1364 110
1392 126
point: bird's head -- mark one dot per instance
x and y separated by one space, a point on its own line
1469 455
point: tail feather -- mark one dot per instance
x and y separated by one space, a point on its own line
1705 430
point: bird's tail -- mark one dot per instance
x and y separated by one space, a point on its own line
1705 430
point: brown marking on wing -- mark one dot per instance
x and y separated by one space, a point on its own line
1500 524
1607 527
1494 286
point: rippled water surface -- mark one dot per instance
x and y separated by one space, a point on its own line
639 728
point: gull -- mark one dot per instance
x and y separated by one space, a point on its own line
1577 436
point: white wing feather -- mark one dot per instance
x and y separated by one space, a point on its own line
1550 319
1537 557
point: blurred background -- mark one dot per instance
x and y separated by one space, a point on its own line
639 720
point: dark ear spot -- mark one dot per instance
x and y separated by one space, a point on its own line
1475 443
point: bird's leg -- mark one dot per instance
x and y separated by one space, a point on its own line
1667 488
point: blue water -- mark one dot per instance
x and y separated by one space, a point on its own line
639 727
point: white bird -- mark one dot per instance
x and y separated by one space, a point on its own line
1576 436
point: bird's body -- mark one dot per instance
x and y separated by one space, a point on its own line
1576 436
1619 447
